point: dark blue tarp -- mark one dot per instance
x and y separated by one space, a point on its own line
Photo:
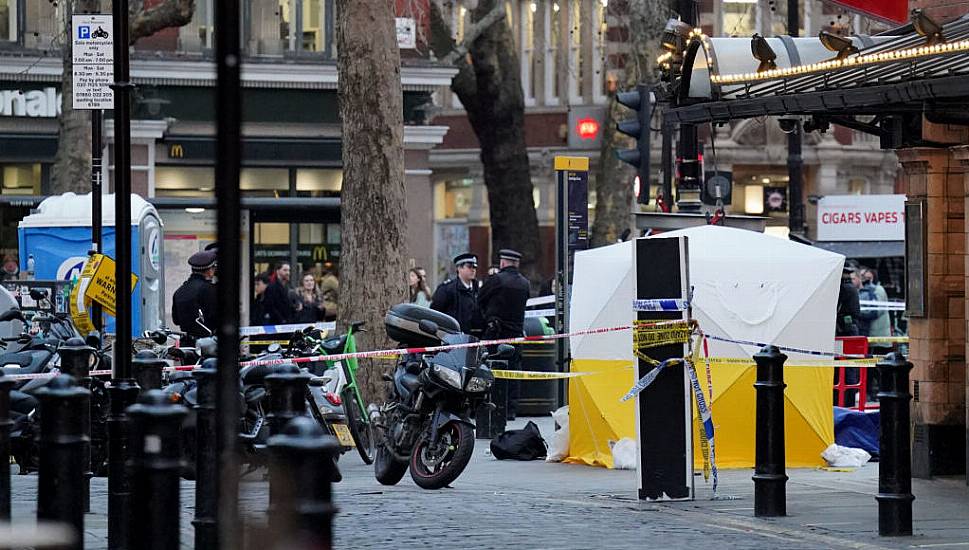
856 429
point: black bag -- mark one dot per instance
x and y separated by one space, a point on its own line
524 444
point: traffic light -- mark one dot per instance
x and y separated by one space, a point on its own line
642 101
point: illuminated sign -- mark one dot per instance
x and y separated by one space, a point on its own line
587 128
176 151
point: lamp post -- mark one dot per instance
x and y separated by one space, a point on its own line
688 151
795 164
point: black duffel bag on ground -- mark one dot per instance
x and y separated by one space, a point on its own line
524 444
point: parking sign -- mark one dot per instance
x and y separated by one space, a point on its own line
93 57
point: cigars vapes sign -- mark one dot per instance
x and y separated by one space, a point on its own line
861 218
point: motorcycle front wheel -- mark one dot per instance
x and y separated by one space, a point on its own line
435 467
360 429
387 469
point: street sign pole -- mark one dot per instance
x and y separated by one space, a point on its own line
571 234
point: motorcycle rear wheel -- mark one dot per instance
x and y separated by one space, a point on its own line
387 469
360 429
460 440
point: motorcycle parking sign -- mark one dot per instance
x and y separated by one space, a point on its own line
93 61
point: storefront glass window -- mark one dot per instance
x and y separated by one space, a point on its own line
453 199
184 181
20 179
314 25
264 182
311 182
8 20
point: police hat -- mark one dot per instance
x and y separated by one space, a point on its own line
213 246
466 258
201 261
509 254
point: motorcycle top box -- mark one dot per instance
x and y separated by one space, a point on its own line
403 320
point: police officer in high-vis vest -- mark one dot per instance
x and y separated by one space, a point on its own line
503 298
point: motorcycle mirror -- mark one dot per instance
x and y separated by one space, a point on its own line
274 348
428 327
159 337
12 314
504 351
38 294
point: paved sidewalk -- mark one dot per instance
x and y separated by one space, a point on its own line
499 504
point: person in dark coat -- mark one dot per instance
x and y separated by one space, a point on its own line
258 316
458 297
502 299
195 296
277 303
849 310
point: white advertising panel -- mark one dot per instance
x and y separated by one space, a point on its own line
861 218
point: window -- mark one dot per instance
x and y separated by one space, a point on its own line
739 17
20 179
576 58
452 199
531 69
314 26
315 182
184 181
8 20
553 34
600 83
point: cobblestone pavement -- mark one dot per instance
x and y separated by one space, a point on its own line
498 504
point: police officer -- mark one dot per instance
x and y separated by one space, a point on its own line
458 297
197 294
503 299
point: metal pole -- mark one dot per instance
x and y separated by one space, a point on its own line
287 396
795 164
206 466
667 161
155 467
770 479
5 385
561 279
96 211
688 187
123 390
895 469
61 472
228 109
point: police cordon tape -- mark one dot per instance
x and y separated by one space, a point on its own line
281 329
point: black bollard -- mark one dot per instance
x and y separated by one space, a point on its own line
770 493
122 394
206 465
300 507
76 360
5 423
147 370
155 467
60 478
895 448
287 396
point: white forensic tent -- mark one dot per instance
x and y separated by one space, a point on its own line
746 286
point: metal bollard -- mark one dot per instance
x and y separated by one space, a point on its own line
122 393
147 370
76 360
300 507
60 479
287 396
770 479
895 448
5 424
206 458
155 464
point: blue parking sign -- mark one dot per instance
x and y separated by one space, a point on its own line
83 32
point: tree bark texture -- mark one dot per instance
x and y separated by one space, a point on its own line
644 20
373 215
489 86
72 161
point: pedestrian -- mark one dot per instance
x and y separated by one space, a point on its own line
330 289
419 293
277 301
849 312
194 303
458 297
309 305
503 298
879 325
259 315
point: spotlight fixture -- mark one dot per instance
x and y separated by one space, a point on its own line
762 52
839 44
674 36
925 26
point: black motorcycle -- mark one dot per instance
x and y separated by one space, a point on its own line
427 424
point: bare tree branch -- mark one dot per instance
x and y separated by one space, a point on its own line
460 52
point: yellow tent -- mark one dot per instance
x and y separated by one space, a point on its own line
747 286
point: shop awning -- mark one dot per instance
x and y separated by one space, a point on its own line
887 77
864 249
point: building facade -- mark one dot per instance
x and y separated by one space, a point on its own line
571 55
291 129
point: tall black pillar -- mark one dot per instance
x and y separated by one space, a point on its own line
5 423
895 448
206 459
795 164
770 479
688 186
228 109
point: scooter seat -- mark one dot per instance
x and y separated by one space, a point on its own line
17 359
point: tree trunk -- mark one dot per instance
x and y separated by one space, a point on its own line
373 215
72 161
644 21
490 89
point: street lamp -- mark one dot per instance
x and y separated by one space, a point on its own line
844 46
674 36
762 52
925 26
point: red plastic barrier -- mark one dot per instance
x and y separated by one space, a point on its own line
852 345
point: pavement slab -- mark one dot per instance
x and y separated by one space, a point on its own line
502 504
